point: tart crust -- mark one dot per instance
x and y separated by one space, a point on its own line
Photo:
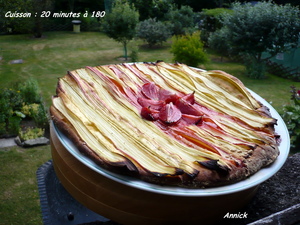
99 109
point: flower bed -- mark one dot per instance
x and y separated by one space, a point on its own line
291 117
22 112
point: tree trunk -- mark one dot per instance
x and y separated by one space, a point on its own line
125 50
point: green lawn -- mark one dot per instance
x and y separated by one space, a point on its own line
274 89
19 198
50 57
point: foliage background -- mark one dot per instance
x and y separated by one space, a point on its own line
51 56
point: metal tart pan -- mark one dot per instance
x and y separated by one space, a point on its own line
127 200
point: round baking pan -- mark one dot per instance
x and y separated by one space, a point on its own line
127 200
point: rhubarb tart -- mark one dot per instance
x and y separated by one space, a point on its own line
168 124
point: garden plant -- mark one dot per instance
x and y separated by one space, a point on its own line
153 32
189 49
291 117
51 57
22 111
250 31
181 20
120 23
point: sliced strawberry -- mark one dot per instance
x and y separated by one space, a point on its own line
168 107
169 113
151 91
191 119
172 98
187 108
190 98
149 114
164 94
150 103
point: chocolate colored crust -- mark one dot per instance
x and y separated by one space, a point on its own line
209 173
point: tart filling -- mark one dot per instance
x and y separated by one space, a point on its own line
166 123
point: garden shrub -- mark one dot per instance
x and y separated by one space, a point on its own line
188 49
2 124
40 116
30 109
14 125
10 101
134 52
181 20
89 23
291 116
22 102
266 27
211 20
36 112
16 25
153 32
152 8
30 91
31 133
216 42
254 69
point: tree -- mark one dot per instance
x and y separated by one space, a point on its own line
206 4
153 31
196 4
39 6
33 23
181 20
144 7
15 24
152 8
120 23
211 20
216 42
265 27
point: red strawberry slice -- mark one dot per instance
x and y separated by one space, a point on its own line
187 108
191 119
169 113
190 98
161 104
149 114
164 94
172 98
150 103
151 91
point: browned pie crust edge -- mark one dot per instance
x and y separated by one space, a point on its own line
205 178
260 157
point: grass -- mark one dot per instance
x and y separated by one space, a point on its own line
50 57
19 198
274 89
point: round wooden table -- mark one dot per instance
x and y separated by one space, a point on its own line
128 205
